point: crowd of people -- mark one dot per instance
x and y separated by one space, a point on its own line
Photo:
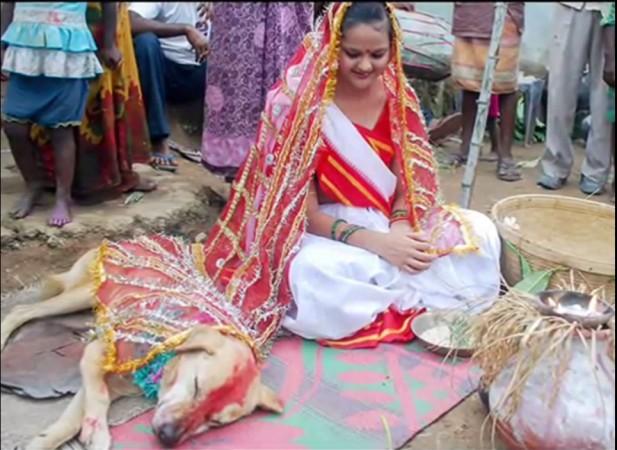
90 100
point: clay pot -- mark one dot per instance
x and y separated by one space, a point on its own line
582 415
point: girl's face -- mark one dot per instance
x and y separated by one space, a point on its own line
365 53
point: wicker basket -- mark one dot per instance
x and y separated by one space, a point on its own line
558 232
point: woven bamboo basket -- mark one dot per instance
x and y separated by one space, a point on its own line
577 236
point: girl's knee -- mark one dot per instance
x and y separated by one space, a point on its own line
15 130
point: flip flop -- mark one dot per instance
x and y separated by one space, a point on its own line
508 171
188 153
168 162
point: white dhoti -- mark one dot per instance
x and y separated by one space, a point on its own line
338 289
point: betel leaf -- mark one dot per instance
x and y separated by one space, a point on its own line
526 269
535 282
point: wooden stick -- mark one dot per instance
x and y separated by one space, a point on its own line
501 8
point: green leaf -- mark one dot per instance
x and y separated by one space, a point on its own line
535 282
134 198
526 269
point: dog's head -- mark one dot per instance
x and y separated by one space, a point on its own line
214 380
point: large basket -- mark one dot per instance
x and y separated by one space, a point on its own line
558 232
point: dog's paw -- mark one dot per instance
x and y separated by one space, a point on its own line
39 443
95 434
13 320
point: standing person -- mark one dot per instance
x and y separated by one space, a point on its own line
608 35
251 43
171 56
577 41
472 28
114 133
48 86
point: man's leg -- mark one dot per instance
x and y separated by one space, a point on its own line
152 67
506 166
596 166
568 55
468 109
185 83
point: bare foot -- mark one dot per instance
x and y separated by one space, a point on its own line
145 185
26 203
61 215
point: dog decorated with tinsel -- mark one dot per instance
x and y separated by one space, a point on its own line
156 335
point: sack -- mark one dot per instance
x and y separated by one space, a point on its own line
427 45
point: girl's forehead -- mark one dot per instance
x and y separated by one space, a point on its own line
371 36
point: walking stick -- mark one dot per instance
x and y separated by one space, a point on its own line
501 8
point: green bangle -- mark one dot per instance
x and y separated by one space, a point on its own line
345 235
335 225
397 213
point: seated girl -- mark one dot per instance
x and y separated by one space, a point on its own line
378 247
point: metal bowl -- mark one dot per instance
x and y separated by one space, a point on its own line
549 301
424 322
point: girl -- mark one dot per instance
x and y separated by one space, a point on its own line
49 53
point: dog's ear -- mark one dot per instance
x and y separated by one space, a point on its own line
269 401
201 338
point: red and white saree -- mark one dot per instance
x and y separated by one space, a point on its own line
348 297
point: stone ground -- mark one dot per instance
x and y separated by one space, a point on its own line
187 203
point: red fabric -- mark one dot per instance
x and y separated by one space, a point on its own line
389 327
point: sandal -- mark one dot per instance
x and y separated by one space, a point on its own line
164 162
188 153
457 160
508 171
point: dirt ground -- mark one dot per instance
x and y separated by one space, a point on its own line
457 430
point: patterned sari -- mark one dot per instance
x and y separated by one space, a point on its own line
152 290
113 134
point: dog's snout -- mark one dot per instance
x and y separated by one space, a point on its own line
168 435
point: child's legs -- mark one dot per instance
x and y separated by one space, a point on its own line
24 154
65 148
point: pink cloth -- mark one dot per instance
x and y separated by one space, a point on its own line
493 107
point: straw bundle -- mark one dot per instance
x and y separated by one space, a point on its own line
515 335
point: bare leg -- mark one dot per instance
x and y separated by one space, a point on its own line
506 166
469 109
493 131
95 429
70 301
24 151
63 142
65 428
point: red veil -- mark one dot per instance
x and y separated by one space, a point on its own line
243 265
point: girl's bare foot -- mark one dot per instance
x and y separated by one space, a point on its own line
26 203
61 214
